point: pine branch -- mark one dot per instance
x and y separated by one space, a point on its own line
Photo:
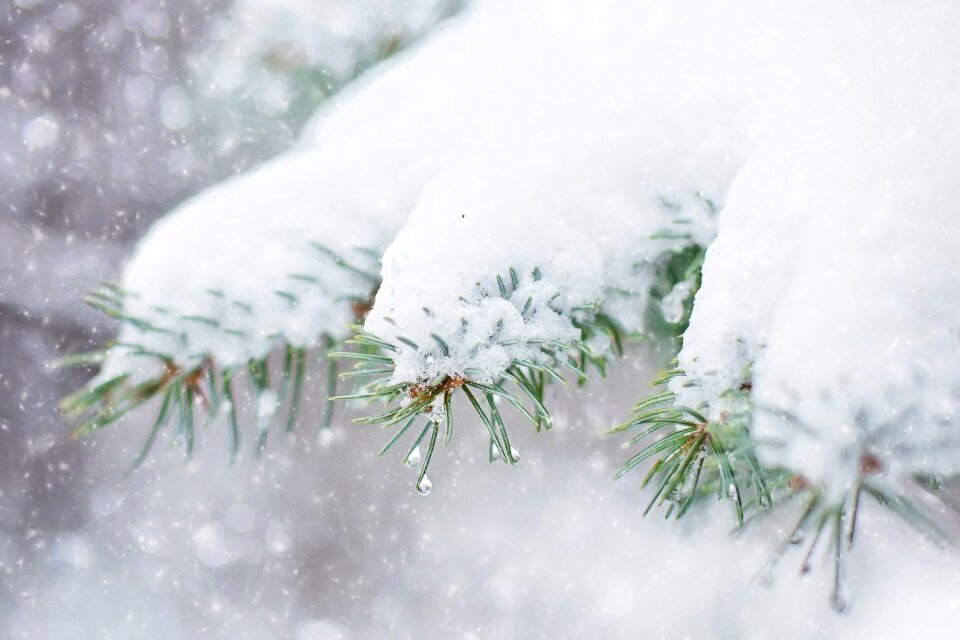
693 457
187 394
837 520
521 384
190 388
433 400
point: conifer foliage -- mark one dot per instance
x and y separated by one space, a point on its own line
470 227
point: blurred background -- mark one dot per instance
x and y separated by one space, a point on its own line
114 111
111 113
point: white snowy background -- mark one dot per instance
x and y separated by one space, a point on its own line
113 113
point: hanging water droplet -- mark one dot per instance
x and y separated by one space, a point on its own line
414 458
515 454
425 486
494 451
763 502
838 602
732 492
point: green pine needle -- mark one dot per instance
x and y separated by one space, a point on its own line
691 453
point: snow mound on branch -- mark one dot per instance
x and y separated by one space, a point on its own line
572 189
208 274
254 260
493 262
257 259
460 110
833 283
558 139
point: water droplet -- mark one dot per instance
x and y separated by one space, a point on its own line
732 492
515 454
414 458
764 503
838 602
494 451
425 486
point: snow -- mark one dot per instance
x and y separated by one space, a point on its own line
344 196
353 164
816 144
833 282
507 210
525 224
269 281
570 189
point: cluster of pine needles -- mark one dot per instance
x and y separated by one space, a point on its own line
521 385
694 458
194 390
686 456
